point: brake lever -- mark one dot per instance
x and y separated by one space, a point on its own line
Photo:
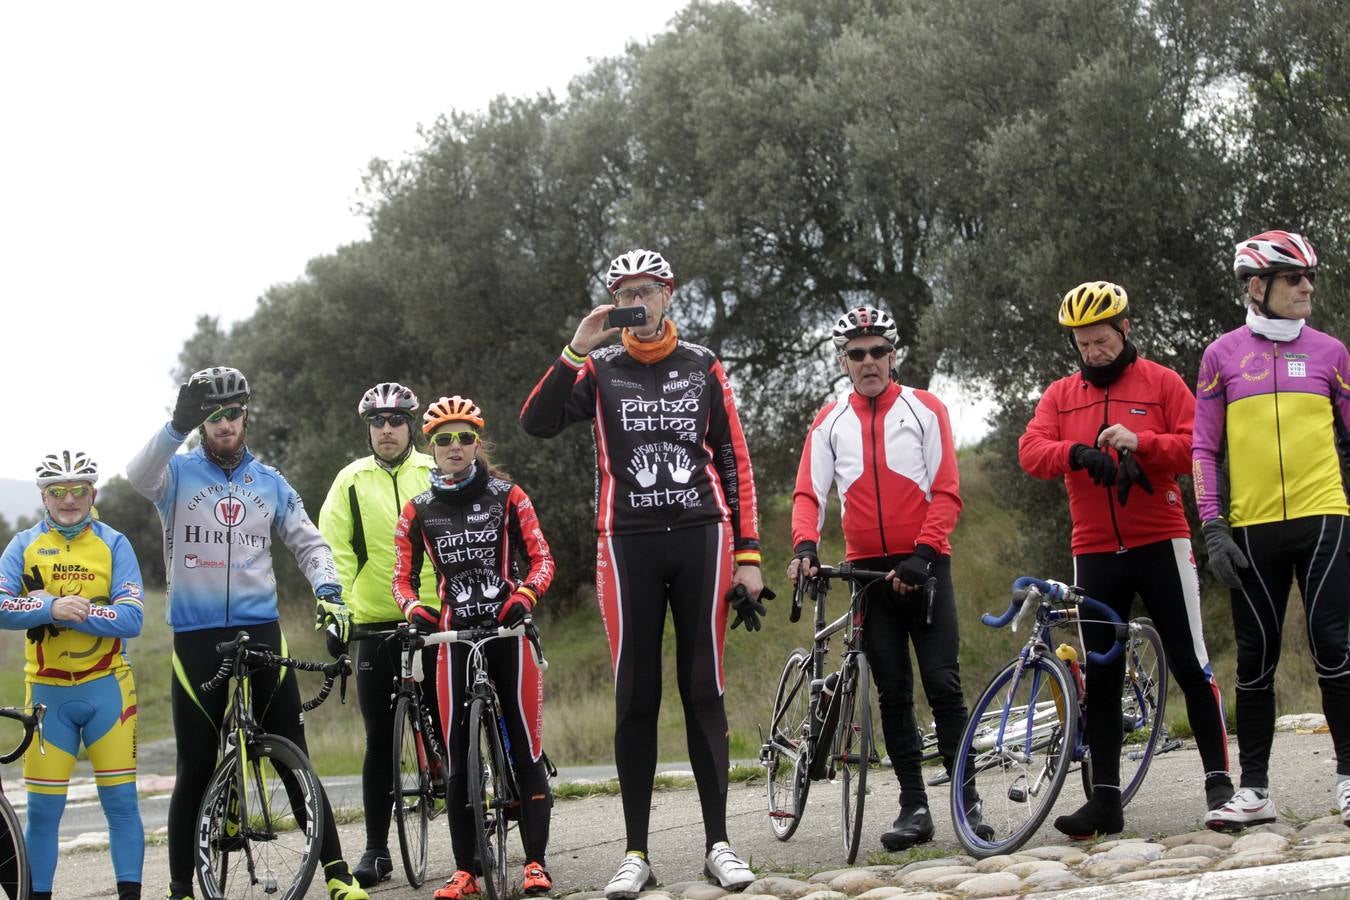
346 662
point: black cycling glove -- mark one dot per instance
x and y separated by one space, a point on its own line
1130 474
1224 556
748 610
188 412
806 552
1099 464
917 568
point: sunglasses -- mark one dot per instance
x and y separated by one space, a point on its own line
1294 279
446 438
646 292
79 491
229 413
394 419
858 354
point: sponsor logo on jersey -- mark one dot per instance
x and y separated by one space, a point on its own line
1136 411
230 511
193 561
1297 368
48 551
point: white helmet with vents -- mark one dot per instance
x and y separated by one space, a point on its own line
386 397
66 465
862 321
639 262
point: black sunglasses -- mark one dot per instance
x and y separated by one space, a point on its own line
395 419
229 412
858 354
1294 279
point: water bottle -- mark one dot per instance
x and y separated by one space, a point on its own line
827 690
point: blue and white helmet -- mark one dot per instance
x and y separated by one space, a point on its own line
639 262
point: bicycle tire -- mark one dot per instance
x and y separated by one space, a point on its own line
15 876
1143 701
1032 747
853 743
786 776
490 798
269 856
413 798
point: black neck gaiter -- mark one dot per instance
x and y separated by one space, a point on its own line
1104 376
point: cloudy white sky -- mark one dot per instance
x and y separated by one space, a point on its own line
162 161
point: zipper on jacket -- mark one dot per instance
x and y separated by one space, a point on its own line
876 478
1279 443
1111 500
229 543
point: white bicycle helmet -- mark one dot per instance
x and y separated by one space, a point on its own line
227 384
1271 251
66 465
387 396
863 321
639 262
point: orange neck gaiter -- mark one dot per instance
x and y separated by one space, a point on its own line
648 352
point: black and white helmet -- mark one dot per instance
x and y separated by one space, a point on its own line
861 322
387 396
227 384
66 465
639 262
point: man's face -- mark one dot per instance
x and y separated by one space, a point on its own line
68 502
1100 344
389 434
1288 294
871 373
654 296
225 436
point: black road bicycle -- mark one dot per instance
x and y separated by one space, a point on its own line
260 825
15 878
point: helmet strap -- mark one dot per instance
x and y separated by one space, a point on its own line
392 464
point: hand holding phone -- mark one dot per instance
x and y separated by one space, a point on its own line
626 317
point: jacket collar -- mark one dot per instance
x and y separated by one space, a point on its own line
883 401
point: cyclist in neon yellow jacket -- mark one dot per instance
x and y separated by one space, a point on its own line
357 521
74 585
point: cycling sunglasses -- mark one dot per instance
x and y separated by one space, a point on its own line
229 413
1294 279
858 354
446 438
395 419
58 492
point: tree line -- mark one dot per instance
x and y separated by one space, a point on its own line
961 163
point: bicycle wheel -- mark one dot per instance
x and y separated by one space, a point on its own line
413 799
786 750
268 816
14 874
1143 700
853 753
490 797
1021 763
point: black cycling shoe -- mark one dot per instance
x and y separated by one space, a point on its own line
1100 815
913 826
375 866
975 819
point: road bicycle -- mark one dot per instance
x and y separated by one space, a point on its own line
260 824
1029 725
821 727
494 793
419 769
15 878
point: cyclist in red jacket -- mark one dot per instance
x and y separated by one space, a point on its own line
1119 432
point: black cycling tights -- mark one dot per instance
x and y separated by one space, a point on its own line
1313 551
1163 575
196 722
637 576
377 672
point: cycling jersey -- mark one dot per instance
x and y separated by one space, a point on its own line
470 536
357 520
894 462
99 565
218 533
669 445
1150 400
1279 407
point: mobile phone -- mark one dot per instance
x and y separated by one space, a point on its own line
626 317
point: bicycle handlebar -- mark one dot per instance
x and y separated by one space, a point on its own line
477 635
1025 591
846 570
236 652
30 721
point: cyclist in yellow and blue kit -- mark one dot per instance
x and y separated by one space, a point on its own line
74 585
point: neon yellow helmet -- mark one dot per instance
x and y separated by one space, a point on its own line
1092 302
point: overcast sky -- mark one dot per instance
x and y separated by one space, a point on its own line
162 161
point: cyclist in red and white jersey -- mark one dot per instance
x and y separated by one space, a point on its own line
675 509
1119 432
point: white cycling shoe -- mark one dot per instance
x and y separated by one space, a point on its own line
1246 808
723 866
1344 791
634 876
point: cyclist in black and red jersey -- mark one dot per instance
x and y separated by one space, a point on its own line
471 523
675 513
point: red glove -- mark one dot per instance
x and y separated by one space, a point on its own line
425 618
514 610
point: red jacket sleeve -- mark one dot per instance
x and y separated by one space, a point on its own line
939 452
1170 451
1041 450
731 458
528 538
408 552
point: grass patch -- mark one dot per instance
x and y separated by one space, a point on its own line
913 854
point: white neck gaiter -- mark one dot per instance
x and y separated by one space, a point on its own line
1281 330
